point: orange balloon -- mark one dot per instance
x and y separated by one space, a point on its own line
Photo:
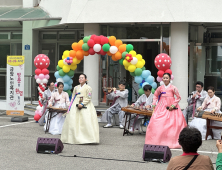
79 54
112 40
72 53
85 53
76 46
118 55
113 58
122 48
109 54
118 43
81 43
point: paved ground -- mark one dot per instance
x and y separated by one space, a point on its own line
18 143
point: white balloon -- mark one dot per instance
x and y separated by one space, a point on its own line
38 80
39 108
171 81
113 49
60 80
64 62
134 60
161 83
45 81
97 48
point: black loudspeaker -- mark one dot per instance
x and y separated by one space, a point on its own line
158 152
49 145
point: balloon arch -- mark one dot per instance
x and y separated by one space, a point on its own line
114 48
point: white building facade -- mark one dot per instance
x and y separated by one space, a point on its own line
189 31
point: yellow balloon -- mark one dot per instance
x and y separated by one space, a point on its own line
66 53
60 63
126 68
66 68
132 68
133 53
63 57
78 61
139 57
75 60
73 67
126 63
144 62
139 64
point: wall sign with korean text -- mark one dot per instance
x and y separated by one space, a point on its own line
15 85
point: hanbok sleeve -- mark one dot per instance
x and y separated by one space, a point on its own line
111 96
51 99
67 99
139 101
88 96
123 94
178 97
218 104
155 96
204 103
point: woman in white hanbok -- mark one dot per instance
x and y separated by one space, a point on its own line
61 100
211 104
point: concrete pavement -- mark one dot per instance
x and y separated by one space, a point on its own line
18 143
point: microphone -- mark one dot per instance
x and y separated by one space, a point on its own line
84 107
169 107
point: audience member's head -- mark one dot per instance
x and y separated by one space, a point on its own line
190 139
210 91
122 85
199 86
147 89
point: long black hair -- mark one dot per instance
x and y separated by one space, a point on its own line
84 76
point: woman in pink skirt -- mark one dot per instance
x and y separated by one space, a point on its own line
167 120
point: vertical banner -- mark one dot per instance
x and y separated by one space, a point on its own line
15 85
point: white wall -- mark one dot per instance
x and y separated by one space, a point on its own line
91 64
179 57
30 3
11 2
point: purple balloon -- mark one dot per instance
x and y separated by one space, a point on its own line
159 79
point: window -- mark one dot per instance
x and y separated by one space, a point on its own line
4 36
16 36
49 36
49 50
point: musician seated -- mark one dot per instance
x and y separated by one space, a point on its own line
61 100
195 100
144 100
212 104
46 97
190 140
120 99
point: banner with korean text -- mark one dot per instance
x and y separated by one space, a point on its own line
15 85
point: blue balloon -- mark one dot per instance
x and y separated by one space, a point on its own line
145 84
154 85
68 58
146 74
66 86
150 79
70 82
66 78
70 87
138 79
56 74
139 86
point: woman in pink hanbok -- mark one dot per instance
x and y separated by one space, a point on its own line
167 120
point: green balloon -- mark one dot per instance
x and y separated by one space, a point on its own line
71 73
124 54
106 47
144 68
58 68
129 47
141 91
121 61
85 47
69 92
133 74
138 71
61 72
153 90
86 39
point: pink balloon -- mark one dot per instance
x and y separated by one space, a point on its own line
70 58
47 76
172 77
66 60
36 77
55 84
41 76
40 113
71 61
159 79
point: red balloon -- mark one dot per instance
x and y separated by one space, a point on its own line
102 52
41 61
45 71
91 51
38 71
162 62
104 40
160 73
97 39
37 117
93 36
168 71
91 43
